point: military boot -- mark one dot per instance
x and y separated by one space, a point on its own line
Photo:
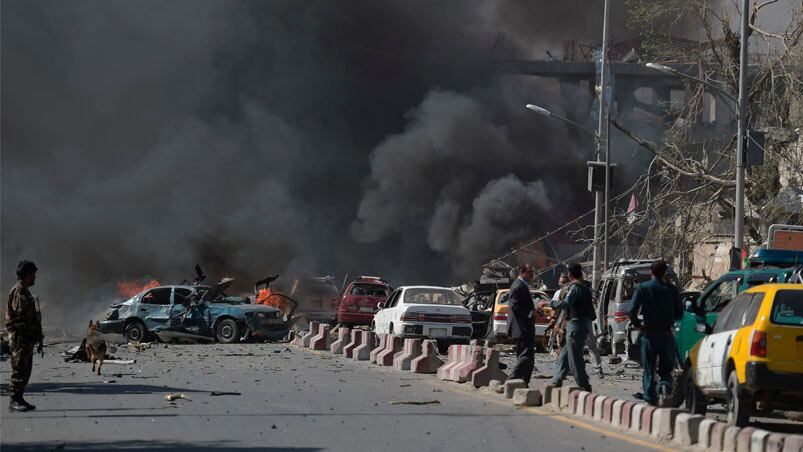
17 405
24 402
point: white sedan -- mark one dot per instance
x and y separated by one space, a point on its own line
424 311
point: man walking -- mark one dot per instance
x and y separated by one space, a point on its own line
659 304
24 324
520 324
579 308
591 339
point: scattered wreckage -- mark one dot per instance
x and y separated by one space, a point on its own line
197 313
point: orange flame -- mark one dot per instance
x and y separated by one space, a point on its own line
266 297
128 289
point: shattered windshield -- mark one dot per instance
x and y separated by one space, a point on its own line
431 296
368 290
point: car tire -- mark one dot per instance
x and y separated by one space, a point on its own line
227 331
678 393
695 401
135 331
739 402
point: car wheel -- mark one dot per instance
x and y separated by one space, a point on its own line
740 404
135 331
678 393
695 400
227 331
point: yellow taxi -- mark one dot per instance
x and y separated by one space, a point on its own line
752 357
541 316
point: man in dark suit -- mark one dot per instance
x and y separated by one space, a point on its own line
520 324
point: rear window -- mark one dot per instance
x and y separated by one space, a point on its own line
368 290
431 296
787 308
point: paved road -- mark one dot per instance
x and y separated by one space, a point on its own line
291 399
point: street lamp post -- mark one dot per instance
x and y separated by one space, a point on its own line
741 103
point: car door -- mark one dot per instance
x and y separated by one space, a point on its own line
381 318
711 303
723 340
154 307
706 351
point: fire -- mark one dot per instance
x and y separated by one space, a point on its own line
127 289
266 297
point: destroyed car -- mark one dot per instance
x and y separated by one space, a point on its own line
317 298
427 312
196 313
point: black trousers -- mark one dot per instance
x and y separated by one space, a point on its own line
525 357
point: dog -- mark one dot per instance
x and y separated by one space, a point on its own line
95 345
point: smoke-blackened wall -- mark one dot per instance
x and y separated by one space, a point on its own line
141 137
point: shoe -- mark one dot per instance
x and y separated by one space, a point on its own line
30 407
17 406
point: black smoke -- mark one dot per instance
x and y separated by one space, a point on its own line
141 137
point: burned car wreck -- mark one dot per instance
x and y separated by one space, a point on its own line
195 313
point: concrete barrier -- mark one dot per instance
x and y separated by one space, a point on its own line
394 345
729 439
313 331
556 399
607 410
599 404
717 436
412 350
429 362
566 397
627 415
687 429
512 385
496 386
616 416
588 406
355 341
573 399
663 423
705 432
744 439
635 417
491 371
321 340
793 443
546 392
646 419
453 359
775 442
758 440
527 397
343 336
580 405
473 360
383 343
363 351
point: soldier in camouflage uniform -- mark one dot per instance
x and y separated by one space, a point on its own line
24 324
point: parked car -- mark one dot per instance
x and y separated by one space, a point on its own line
541 316
753 354
765 266
427 312
186 312
360 298
616 289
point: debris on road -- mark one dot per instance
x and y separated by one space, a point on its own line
222 393
175 396
415 402
109 381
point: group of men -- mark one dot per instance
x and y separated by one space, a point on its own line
656 300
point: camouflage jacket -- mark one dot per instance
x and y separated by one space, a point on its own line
22 319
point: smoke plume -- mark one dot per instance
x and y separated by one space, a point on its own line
139 138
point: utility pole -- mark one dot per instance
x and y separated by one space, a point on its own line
738 226
598 196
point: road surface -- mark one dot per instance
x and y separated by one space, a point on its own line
290 399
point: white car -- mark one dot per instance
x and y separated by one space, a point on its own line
424 311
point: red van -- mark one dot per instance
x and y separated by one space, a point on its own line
359 301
